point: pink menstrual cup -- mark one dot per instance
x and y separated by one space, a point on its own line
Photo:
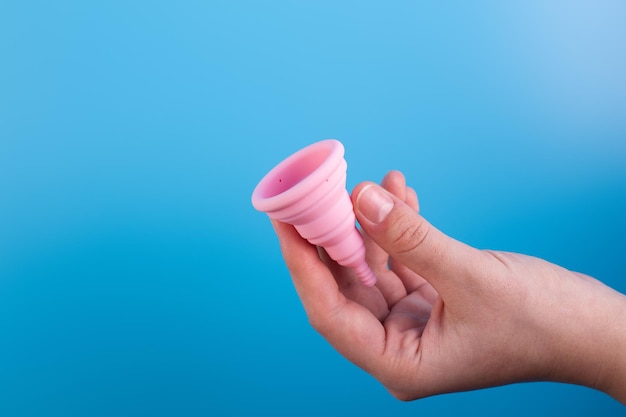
308 190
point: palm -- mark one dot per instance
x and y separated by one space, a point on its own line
401 300
391 317
400 303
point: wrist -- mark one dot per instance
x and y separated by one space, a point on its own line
592 352
613 381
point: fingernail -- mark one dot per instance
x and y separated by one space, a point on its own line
374 203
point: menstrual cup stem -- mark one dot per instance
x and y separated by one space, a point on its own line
366 275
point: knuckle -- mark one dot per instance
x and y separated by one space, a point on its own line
404 393
323 321
316 322
411 237
402 396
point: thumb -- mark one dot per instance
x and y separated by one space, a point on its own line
406 236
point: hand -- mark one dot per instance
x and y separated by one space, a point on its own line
447 317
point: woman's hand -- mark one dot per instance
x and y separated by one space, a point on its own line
447 317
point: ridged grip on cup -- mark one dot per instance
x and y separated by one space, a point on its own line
308 190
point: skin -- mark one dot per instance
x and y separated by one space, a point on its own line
445 317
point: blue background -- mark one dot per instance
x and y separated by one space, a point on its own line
135 276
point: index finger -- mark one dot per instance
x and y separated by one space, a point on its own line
348 326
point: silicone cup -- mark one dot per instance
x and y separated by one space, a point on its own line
308 191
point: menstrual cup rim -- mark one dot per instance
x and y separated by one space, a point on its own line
299 190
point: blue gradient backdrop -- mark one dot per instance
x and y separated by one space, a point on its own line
135 276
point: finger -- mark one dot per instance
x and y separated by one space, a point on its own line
395 183
349 327
377 258
388 282
313 282
413 282
445 263
411 313
411 199
351 287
